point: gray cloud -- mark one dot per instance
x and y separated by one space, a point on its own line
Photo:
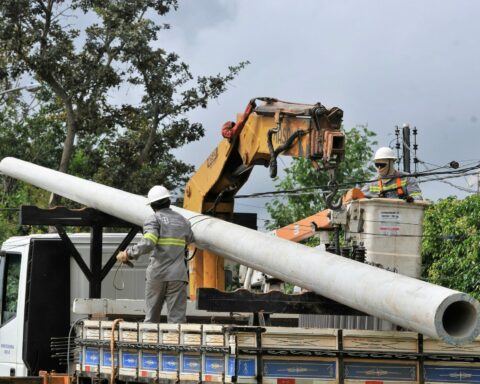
383 63
194 16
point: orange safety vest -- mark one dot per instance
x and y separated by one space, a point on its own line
400 191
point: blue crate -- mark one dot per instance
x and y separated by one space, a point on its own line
107 359
191 364
92 356
246 367
299 369
451 374
149 360
169 363
214 365
380 371
129 359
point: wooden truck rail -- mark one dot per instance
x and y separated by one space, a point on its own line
216 353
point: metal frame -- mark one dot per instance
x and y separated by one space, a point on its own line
242 300
61 217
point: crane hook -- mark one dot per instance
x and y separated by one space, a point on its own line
333 187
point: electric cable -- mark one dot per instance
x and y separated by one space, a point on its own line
322 188
68 342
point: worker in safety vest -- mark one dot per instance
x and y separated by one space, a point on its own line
391 183
165 236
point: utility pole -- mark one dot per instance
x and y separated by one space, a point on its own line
406 147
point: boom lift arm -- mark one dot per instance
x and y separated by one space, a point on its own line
321 221
260 135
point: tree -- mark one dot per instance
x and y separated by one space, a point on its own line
451 244
301 174
32 133
82 67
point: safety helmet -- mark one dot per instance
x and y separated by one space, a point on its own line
156 193
384 153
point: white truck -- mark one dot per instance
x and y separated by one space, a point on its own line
39 281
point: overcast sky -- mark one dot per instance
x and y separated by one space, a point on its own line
384 63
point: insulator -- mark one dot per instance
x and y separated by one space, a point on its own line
360 253
346 252
330 247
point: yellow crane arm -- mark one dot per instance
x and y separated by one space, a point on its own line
259 136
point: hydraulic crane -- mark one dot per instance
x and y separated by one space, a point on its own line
260 135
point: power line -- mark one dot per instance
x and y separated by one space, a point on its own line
320 189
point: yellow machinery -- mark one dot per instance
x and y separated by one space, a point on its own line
260 134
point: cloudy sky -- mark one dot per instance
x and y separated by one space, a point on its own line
384 63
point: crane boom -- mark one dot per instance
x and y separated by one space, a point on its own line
260 135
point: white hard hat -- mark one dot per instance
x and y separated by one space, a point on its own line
384 153
158 192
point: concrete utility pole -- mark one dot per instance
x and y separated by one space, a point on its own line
406 147
429 309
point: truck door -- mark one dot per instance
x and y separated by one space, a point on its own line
9 308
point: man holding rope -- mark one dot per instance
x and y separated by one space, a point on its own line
165 236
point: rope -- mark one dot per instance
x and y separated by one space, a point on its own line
119 267
112 350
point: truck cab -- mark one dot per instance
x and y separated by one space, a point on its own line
39 281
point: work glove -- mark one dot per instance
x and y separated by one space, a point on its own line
122 257
408 199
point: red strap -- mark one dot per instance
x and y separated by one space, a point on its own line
400 191
230 129
227 129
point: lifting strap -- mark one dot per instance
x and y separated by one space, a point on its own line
400 191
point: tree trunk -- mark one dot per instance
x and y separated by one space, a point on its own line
67 147
151 138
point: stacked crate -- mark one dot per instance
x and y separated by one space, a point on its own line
213 361
149 357
380 347
296 360
128 353
437 370
89 359
105 351
271 355
169 339
191 358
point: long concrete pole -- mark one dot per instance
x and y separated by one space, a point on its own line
426 308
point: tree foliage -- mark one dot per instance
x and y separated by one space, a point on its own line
34 135
300 174
451 244
84 68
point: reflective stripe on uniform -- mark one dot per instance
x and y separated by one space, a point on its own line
413 194
172 241
390 187
165 240
151 237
